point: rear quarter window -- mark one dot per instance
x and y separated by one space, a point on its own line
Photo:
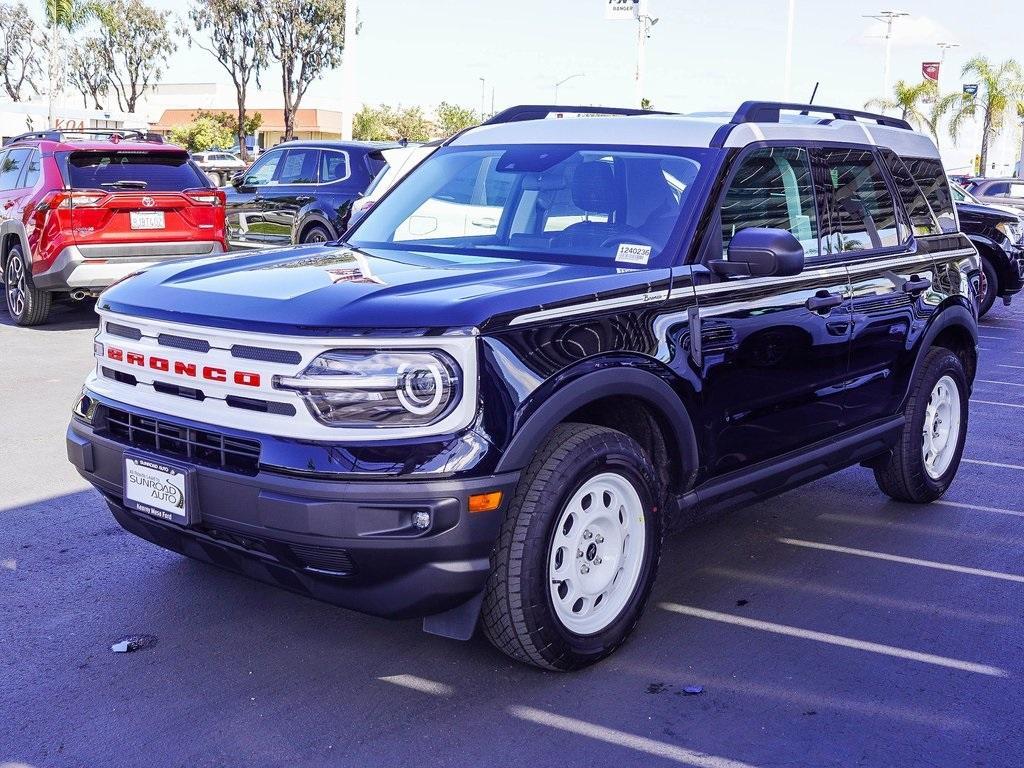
931 178
160 171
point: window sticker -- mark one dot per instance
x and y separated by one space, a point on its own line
633 254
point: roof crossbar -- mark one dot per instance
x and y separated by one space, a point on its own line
64 135
540 111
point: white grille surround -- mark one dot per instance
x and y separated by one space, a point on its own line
214 409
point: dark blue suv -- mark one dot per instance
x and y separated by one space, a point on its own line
300 192
546 344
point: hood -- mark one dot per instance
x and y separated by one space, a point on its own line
994 213
319 290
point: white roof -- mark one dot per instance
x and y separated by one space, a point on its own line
689 131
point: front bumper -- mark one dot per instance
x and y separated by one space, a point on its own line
95 267
350 543
1013 280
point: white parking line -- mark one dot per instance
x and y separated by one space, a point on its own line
1004 365
905 560
1001 383
845 642
926 530
622 739
420 684
978 508
994 402
992 464
994 338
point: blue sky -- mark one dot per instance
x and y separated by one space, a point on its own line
703 54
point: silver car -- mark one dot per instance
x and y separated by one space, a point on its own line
998 191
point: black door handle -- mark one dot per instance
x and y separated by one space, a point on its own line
823 301
917 284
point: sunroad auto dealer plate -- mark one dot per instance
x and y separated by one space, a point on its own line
157 488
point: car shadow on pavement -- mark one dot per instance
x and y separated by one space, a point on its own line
65 315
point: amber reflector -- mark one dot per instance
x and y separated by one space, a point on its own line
485 502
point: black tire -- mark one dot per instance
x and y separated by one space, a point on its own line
518 615
315 235
988 298
904 477
26 304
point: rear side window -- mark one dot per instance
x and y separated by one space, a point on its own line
11 166
913 198
299 166
158 171
772 188
931 177
862 212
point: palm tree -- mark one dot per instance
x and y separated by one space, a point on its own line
1000 90
65 16
919 104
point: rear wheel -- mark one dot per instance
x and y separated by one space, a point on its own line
990 289
316 234
925 461
26 304
578 551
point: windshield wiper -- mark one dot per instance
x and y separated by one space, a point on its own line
126 184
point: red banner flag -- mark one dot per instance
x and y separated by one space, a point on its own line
930 70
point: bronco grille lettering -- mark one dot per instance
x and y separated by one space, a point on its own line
181 368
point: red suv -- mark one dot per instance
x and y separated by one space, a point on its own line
78 214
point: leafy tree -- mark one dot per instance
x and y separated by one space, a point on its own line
87 71
307 37
1000 90
20 46
236 38
135 41
451 118
250 124
384 123
372 123
646 104
919 103
202 134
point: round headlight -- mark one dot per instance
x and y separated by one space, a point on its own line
422 388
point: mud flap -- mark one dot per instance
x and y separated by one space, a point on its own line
458 623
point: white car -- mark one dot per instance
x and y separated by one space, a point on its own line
219 166
400 161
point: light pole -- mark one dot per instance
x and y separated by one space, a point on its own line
563 81
789 52
944 47
483 96
350 99
888 17
643 34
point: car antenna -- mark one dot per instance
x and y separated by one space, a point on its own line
813 94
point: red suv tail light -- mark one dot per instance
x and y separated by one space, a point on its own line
72 198
214 197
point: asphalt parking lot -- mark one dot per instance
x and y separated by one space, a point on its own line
827 627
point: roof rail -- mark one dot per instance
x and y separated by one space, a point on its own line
110 133
540 111
769 112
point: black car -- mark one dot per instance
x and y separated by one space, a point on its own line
550 342
300 192
998 234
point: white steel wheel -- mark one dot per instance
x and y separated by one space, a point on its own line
597 553
941 431
15 284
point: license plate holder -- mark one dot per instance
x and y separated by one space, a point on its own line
159 488
147 219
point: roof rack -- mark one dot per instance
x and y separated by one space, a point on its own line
769 112
540 111
110 133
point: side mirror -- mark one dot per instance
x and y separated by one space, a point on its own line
758 252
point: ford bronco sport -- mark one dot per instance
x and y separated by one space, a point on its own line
548 342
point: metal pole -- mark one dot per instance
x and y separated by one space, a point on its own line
888 17
348 70
483 97
641 39
789 52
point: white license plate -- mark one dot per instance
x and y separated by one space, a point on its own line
156 488
147 219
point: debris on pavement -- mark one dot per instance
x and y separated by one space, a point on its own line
133 643
693 690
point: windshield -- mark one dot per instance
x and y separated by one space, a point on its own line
567 204
960 194
153 171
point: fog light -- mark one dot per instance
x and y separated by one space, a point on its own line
421 520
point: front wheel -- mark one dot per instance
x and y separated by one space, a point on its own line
315 235
578 550
925 461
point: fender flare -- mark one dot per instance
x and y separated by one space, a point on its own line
952 315
313 217
590 387
13 228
